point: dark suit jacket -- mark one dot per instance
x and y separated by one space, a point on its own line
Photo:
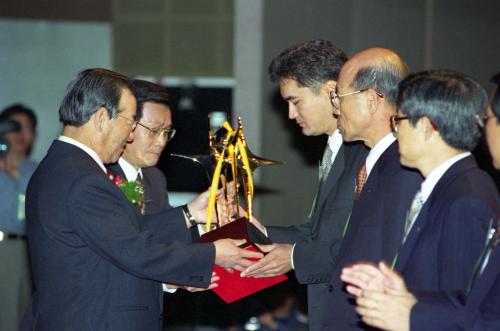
449 233
155 198
478 312
374 233
317 241
96 260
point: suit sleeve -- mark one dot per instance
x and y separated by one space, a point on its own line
463 239
108 224
440 311
168 225
314 261
290 234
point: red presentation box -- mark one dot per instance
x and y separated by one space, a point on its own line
232 287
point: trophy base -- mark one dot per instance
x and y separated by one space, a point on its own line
231 286
239 229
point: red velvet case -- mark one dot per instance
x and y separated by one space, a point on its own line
232 287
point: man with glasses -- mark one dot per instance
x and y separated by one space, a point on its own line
307 74
97 262
154 130
364 100
458 212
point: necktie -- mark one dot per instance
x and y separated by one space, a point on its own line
416 206
360 181
326 163
324 169
141 204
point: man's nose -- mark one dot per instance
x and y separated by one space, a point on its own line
292 112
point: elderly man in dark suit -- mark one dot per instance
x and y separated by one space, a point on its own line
365 99
383 297
96 259
307 75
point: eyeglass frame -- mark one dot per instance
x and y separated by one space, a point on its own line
395 119
335 98
482 120
170 133
130 122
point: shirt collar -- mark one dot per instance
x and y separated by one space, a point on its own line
377 150
85 148
431 180
130 172
334 143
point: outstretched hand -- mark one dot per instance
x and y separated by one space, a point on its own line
276 262
228 255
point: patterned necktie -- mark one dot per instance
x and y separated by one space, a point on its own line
416 206
141 204
324 169
326 163
360 181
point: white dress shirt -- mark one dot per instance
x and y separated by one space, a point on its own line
377 151
335 142
130 171
433 178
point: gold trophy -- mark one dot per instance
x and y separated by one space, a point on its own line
231 158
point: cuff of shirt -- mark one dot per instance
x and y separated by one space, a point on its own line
168 290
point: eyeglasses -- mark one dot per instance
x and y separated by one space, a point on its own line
155 133
482 120
130 122
395 119
336 97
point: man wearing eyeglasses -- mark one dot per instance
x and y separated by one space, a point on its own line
364 100
437 128
154 130
97 262
307 73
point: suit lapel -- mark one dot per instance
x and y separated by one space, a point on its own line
330 182
116 170
406 248
332 178
425 215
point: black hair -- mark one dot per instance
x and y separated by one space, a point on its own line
450 100
91 90
495 100
18 108
149 92
311 64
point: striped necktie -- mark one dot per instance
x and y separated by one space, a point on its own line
324 169
326 163
141 204
416 205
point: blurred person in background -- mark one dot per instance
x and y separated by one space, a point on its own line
16 168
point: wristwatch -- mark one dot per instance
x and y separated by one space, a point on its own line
188 215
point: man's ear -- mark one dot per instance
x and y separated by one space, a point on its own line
373 100
425 125
330 87
100 119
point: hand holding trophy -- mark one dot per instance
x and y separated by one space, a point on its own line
230 159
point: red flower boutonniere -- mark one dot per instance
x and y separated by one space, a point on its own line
134 191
